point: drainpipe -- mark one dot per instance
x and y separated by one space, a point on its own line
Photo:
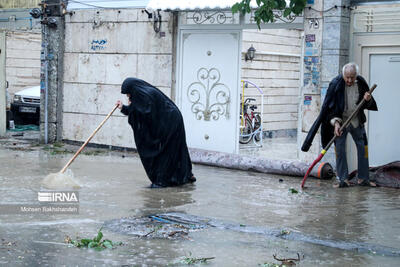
44 58
3 83
46 83
301 97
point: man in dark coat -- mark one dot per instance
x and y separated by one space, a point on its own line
344 93
159 133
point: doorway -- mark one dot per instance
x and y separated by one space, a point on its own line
378 56
384 125
208 79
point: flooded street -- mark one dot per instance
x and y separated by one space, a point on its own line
116 187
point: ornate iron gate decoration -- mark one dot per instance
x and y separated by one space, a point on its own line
209 97
217 17
209 17
278 15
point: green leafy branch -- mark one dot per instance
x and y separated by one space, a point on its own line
265 9
96 243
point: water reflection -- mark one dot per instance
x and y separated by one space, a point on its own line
338 215
159 200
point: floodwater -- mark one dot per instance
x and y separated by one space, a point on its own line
116 187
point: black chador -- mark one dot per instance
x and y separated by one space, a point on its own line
159 134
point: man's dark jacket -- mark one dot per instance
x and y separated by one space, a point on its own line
333 106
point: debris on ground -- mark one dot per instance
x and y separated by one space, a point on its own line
158 227
293 191
288 261
178 225
189 260
387 175
267 264
7 243
150 227
284 232
285 262
96 243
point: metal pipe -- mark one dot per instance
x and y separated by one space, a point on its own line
301 96
46 84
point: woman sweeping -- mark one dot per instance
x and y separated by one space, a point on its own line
159 134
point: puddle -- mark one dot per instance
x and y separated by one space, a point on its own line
115 187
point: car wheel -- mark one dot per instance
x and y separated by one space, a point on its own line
17 119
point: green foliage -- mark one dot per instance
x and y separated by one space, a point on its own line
56 148
285 232
264 12
267 264
58 144
293 191
93 152
95 243
190 260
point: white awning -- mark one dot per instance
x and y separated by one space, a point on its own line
190 4
99 4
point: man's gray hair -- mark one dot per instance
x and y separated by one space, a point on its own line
350 67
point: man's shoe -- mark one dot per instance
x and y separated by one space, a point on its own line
362 182
342 184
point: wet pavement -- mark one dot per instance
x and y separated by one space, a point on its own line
272 148
115 186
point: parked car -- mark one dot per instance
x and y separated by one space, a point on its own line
25 106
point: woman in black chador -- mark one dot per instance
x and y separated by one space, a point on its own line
159 133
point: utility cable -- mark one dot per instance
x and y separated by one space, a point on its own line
97 6
329 9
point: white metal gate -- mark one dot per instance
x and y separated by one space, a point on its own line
207 87
384 125
376 44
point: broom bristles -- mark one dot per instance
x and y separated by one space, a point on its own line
65 181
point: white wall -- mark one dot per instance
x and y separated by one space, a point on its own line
102 48
276 70
22 59
86 4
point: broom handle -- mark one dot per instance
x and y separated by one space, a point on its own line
325 149
347 122
87 141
